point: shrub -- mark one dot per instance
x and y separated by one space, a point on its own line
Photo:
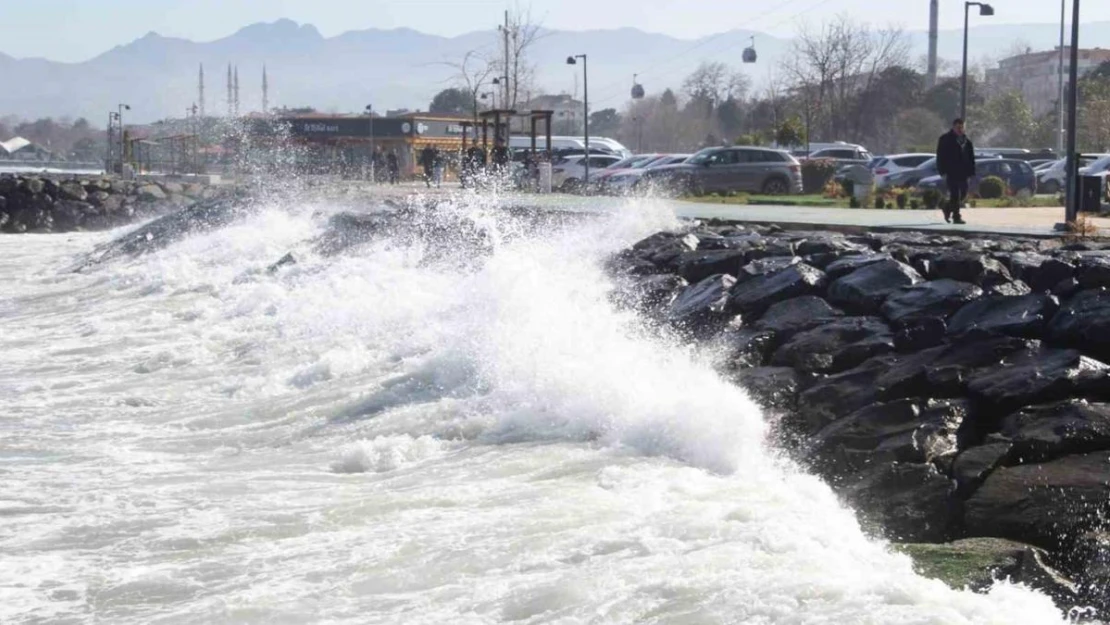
914 204
902 198
880 202
816 172
931 198
832 190
992 187
853 202
849 187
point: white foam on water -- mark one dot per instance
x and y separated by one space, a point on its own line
384 437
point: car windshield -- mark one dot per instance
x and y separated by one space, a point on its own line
1101 164
702 156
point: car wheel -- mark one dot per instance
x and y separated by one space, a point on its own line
1051 187
775 186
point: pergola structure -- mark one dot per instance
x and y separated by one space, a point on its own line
500 120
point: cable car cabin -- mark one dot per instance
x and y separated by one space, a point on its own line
749 55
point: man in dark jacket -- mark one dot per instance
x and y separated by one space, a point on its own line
956 162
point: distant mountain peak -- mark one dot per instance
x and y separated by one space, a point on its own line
280 29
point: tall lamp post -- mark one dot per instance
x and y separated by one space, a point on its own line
986 10
1072 211
108 162
572 60
122 140
370 115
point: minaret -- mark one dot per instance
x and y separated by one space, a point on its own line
265 91
230 111
200 89
236 90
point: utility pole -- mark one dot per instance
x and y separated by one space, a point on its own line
1060 138
505 32
230 111
237 91
934 19
200 89
265 90
1072 169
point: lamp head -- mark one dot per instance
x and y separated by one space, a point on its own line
497 81
571 61
369 107
127 107
986 9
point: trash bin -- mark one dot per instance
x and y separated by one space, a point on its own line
1090 194
545 177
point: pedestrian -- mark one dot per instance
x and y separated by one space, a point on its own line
956 164
437 167
391 162
427 161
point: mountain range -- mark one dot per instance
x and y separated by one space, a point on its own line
404 68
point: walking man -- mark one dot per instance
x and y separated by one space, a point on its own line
438 165
394 169
956 163
427 161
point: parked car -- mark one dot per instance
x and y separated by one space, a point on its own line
1017 174
629 164
910 177
847 154
1052 180
1038 163
886 166
569 172
748 168
623 182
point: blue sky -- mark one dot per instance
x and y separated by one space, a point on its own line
75 30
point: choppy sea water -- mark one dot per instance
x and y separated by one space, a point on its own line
393 436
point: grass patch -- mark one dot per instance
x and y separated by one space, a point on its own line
776 200
972 563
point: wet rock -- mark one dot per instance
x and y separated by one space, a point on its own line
70 215
649 295
699 265
847 264
1050 273
701 308
286 260
937 299
905 501
945 370
1066 288
34 186
836 346
1014 288
1083 322
798 314
1039 376
865 289
98 197
1048 504
773 388
905 430
919 334
742 347
972 267
841 394
150 193
1024 316
1044 432
823 244
753 296
973 465
1094 272
173 188
764 266
72 190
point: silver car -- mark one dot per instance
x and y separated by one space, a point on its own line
751 169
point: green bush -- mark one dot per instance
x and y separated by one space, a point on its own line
902 198
880 203
849 187
914 204
992 187
853 202
931 198
816 173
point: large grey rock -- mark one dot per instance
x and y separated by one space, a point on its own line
1048 431
973 465
150 193
936 299
650 294
72 190
1083 322
1048 504
699 265
944 371
766 265
70 215
973 267
741 347
847 264
796 315
905 501
841 394
1094 272
755 295
701 308
773 388
836 346
1024 316
1039 376
865 289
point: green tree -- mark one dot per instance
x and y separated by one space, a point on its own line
790 133
451 101
605 122
1005 120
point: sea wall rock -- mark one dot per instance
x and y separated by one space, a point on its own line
947 387
66 204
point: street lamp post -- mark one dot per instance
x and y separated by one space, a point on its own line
571 60
111 141
122 140
986 10
370 115
1072 210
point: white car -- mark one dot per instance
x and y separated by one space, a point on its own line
569 173
1052 180
884 166
622 183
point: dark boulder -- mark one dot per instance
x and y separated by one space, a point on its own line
700 309
70 214
1083 322
973 465
1049 504
1024 316
699 265
905 430
919 334
1039 376
755 295
741 348
1093 272
1014 288
798 314
937 299
841 394
150 193
1066 288
905 501
773 388
1039 271
764 266
836 346
1049 431
847 264
649 295
865 289
944 371
973 267
825 244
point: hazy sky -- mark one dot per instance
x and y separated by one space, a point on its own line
75 30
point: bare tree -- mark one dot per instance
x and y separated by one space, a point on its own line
471 73
523 33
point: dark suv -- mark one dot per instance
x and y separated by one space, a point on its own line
714 170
